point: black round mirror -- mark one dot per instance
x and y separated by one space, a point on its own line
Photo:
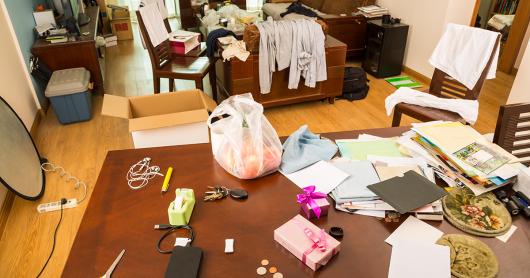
20 162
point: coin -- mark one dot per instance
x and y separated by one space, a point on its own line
264 262
277 275
273 269
261 270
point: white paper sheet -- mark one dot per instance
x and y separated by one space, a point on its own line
154 24
508 234
414 230
322 174
416 260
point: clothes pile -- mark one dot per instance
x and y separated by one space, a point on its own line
298 44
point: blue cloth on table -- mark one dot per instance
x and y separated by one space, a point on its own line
211 41
304 148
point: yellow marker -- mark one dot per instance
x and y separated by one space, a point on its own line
165 185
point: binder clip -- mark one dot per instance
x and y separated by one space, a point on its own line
179 211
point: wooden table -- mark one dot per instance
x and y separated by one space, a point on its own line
72 54
119 218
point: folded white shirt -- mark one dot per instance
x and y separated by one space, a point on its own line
467 109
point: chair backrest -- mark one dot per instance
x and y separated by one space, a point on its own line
443 85
512 132
159 55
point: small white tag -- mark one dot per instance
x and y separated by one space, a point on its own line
508 234
182 241
229 245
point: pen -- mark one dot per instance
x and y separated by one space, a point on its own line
165 185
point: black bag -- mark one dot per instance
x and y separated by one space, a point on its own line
184 262
355 84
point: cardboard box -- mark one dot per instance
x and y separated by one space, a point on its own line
120 13
122 28
294 236
166 119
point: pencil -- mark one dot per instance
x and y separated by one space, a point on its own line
165 185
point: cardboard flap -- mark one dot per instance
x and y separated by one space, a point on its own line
116 106
167 120
209 103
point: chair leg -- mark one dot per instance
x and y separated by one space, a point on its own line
198 84
171 84
156 83
396 120
213 82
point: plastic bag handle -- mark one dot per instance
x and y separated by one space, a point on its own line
228 109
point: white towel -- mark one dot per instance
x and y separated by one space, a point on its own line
154 24
463 53
467 109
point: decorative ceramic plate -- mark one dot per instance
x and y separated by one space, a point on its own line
482 215
470 257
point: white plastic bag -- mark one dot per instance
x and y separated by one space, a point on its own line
244 143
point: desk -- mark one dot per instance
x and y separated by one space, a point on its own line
71 54
120 218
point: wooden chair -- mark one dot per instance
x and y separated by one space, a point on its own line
443 85
512 132
166 65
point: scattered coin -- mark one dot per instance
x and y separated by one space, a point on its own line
273 269
277 275
264 262
261 270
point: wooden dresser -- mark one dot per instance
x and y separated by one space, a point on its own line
237 77
72 54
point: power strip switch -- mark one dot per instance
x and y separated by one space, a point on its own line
53 206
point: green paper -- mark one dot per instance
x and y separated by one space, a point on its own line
403 81
360 150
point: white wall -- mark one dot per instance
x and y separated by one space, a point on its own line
522 50
520 89
17 89
427 20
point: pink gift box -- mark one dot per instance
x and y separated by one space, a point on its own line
308 213
310 244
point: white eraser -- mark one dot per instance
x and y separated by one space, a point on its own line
229 245
179 201
182 241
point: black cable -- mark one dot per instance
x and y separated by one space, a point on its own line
63 201
171 229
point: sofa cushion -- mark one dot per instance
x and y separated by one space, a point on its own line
344 6
275 9
315 4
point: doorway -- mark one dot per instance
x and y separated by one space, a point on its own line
511 19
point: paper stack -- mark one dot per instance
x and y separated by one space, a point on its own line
373 11
462 156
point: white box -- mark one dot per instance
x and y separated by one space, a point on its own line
166 119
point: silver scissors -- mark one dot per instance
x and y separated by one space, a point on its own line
113 266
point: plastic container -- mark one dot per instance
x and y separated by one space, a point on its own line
69 95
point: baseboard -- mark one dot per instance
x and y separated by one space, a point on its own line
420 77
5 207
5 210
36 122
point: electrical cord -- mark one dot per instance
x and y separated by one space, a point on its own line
170 229
141 172
50 167
63 201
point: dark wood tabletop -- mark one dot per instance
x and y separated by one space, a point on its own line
120 218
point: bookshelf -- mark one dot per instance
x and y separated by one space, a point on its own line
503 7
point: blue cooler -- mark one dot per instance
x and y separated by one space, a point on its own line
69 95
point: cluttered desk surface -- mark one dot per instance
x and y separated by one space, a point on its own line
120 218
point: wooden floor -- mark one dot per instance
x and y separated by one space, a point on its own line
81 148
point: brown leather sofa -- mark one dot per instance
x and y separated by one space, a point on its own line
338 16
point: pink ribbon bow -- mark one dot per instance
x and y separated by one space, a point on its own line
309 198
319 242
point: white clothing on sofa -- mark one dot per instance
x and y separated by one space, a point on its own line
467 109
463 53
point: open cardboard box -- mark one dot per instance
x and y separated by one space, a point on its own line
166 119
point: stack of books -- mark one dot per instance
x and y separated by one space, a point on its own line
373 11
57 35
463 157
